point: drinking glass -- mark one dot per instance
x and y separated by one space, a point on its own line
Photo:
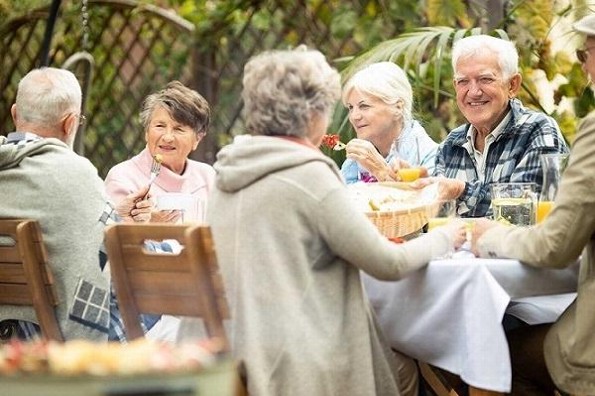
439 213
552 166
407 149
514 203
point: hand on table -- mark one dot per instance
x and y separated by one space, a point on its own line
457 230
366 155
136 206
478 228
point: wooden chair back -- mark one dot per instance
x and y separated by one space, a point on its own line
25 275
186 284
434 379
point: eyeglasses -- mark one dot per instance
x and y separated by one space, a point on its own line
583 54
81 117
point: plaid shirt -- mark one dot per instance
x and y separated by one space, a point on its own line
512 157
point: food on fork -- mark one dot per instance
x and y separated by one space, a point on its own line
332 141
158 158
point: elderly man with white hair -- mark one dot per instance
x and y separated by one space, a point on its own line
41 178
502 140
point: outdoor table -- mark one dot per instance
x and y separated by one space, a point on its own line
450 313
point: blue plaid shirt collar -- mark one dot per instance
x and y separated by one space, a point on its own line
21 138
515 117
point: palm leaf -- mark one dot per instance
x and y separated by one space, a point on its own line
415 51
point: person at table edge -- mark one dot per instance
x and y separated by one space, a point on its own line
561 355
72 209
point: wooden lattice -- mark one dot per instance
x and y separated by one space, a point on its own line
137 49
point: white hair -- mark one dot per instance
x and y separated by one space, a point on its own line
384 80
46 95
508 57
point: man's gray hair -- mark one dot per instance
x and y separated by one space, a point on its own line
46 95
508 57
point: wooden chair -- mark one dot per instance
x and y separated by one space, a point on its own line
435 380
443 383
25 275
186 284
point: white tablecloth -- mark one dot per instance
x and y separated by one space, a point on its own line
449 314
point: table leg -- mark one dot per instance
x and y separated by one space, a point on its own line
482 392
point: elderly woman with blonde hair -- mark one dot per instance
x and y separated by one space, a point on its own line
289 239
379 98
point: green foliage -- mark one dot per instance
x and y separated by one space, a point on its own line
13 8
425 54
416 35
447 13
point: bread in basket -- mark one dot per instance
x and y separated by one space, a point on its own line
395 209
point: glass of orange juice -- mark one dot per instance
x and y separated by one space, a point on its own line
439 213
409 174
543 209
406 148
552 166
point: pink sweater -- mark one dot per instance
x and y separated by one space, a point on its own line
133 174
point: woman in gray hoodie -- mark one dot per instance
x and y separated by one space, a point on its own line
291 244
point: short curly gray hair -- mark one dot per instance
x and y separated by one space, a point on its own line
183 104
282 88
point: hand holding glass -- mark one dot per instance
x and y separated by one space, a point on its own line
176 203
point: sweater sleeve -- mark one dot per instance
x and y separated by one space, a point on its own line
118 185
352 236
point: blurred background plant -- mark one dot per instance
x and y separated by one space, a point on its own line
416 35
552 79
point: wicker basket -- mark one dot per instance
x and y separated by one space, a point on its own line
397 224
398 221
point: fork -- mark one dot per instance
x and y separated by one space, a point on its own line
155 169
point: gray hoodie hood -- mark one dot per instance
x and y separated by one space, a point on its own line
11 154
250 158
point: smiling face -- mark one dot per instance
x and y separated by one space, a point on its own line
171 139
374 120
482 92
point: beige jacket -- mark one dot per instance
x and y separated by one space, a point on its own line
558 241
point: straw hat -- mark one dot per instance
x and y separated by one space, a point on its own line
586 25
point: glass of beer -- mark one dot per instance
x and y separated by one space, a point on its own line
514 203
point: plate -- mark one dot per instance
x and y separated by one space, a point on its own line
218 380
